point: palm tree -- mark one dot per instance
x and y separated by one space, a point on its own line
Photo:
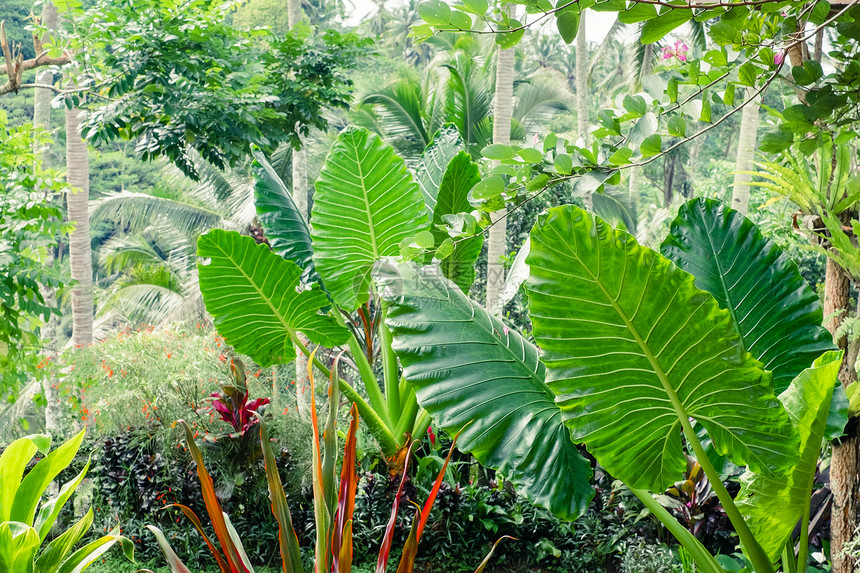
42 96
744 161
503 109
80 250
459 89
150 262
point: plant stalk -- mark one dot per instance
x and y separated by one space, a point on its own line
379 427
697 551
389 368
371 385
757 556
410 410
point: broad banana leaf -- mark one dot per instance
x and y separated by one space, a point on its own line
252 294
434 162
476 376
771 507
633 350
286 228
777 314
365 204
453 197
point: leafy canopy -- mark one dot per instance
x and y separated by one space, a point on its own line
177 77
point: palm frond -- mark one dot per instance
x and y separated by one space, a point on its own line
540 97
135 211
399 108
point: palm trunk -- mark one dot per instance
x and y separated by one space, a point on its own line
636 172
42 96
845 463
745 156
80 249
503 108
582 91
300 196
42 120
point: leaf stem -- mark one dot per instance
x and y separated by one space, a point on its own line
389 368
371 385
759 559
697 551
379 427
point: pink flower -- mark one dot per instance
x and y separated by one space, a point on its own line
779 57
678 50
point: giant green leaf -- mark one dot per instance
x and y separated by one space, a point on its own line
365 204
633 350
772 507
775 312
256 299
470 371
285 227
434 162
453 197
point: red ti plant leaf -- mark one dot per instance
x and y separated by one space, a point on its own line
321 512
213 507
410 549
192 517
342 534
388 538
291 559
431 499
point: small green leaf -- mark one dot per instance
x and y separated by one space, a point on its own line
478 7
656 29
435 12
563 163
445 249
636 105
509 39
424 239
498 152
729 96
747 74
677 126
530 155
651 146
488 188
550 142
776 142
568 25
705 116
621 157
538 182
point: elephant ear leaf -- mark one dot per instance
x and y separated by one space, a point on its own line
285 227
365 204
772 507
434 162
777 314
461 175
257 301
634 350
473 374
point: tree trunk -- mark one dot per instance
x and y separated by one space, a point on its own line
636 172
845 463
668 179
300 196
80 248
42 96
503 108
745 156
582 91
42 120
